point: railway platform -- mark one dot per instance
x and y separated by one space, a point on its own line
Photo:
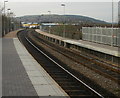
86 44
106 52
22 75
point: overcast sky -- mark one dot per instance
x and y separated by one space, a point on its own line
98 10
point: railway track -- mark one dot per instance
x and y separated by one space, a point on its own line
72 85
93 64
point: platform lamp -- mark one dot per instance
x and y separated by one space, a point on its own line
5 6
112 37
9 20
49 20
12 20
8 11
63 5
4 17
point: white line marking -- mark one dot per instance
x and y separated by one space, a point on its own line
64 68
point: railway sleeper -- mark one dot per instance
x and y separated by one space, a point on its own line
78 92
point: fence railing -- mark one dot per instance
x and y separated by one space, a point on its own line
9 24
109 36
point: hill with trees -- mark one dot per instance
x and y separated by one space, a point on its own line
60 19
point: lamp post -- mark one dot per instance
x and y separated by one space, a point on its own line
49 20
118 41
4 6
63 5
4 19
49 12
112 37
9 20
8 12
13 21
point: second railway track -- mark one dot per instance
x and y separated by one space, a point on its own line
89 62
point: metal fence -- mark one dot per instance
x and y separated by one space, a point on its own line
109 36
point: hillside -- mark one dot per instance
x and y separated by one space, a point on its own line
59 19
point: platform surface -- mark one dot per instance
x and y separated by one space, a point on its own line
15 81
22 75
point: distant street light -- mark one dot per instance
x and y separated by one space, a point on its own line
112 37
49 20
63 5
4 6
8 12
4 19
49 12
9 20
119 13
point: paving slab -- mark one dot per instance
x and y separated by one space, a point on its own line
41 80
23 75
15 81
